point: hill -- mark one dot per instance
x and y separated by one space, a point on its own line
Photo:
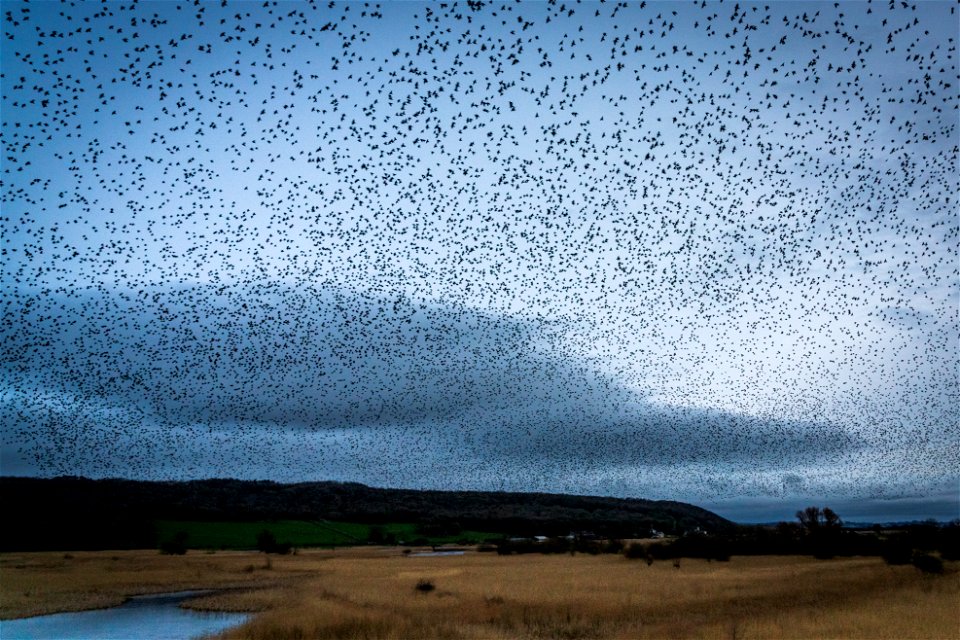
77 513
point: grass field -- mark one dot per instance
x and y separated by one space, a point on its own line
299 533
370 593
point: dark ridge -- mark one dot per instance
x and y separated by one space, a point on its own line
80 513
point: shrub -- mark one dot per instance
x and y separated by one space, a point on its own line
176 546
897 550
719 550
637 551
700 545
927 563
613 546
267 543
376 535
949 543
424 586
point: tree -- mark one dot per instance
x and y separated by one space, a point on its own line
814 519
830 519
822 529
267 543
176 546
376 535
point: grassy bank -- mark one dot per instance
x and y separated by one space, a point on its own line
371 593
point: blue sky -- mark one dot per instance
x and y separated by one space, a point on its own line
692 251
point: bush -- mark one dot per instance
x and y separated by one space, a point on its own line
897 550
378 535
613 546
636 551
424 586
927 563
702 546
949 543
267 543
176 546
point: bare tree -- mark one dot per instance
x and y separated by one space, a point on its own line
814 519
822 530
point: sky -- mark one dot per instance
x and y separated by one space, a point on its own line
690 251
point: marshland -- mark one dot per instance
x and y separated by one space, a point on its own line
372 592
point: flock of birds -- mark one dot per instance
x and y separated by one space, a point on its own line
669 249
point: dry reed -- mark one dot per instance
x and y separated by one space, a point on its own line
370 593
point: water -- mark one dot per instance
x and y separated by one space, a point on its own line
434 554
153 617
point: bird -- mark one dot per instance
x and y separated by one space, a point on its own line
633 249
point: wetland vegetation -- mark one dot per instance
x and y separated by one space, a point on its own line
376 592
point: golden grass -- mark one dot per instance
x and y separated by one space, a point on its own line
369 593
39 583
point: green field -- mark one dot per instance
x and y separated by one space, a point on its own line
300 533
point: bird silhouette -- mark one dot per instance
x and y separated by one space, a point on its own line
691 250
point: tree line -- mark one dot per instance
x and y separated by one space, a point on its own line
120 514
817 532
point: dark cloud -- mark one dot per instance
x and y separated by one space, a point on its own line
314 360
620 250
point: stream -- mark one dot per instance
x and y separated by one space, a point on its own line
150 617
